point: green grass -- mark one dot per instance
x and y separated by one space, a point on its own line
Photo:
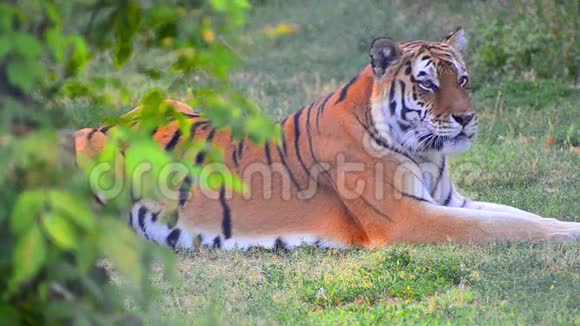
526 156
507 283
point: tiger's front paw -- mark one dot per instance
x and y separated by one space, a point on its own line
563 231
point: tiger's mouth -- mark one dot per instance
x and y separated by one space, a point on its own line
448 144
462 135
461 138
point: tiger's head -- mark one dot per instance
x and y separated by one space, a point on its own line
421 94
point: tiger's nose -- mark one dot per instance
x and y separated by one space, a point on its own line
463 118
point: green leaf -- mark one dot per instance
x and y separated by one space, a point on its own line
87 253
27 45
121 245
219 5
60 230
151 102
79 57
9 315
76 89
73 208
29 255
27 208
144 161
53 12
123 51
56 43
60 310
5 46
127 23
24 73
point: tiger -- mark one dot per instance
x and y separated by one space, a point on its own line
375 151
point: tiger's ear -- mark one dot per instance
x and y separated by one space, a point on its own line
384 52
457 40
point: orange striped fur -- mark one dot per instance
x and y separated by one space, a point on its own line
397 121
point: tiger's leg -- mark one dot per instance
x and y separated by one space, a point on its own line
458 200
493 207
425 222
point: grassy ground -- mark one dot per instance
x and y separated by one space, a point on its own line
526 156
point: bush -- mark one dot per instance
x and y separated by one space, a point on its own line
530 38
54 238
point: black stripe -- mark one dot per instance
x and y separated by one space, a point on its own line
464 203
311 148
415 197
241 148
378 211
438 179
283 160
173 237
226 218
404 127
344 91
196 125
318 243
217 242
237 153
174 140
201 155
141 218
284 145
279 244
321 110
404 107
211 136
393 101
234 154
105 129
268 154
92 133
411 44
448 199
191 115
99 201
154 217
184 190
309 136
235 158
297 139
380 141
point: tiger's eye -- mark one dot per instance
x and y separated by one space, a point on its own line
428 86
